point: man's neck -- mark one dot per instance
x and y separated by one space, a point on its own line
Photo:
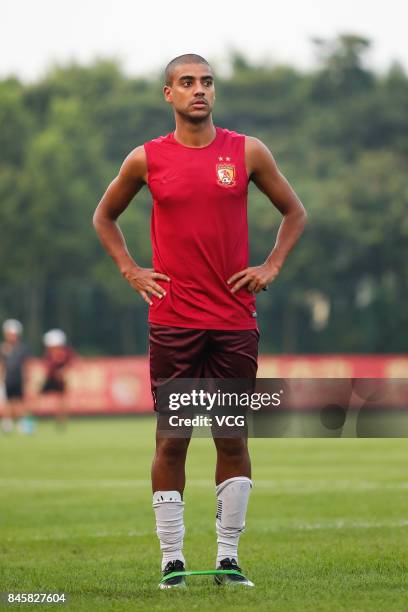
195 134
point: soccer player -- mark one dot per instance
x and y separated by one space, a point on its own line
200 291
13 355
58 357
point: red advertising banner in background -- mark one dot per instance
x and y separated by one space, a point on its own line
333 366
117 385
121 385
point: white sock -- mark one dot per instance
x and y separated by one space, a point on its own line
232 502
169 510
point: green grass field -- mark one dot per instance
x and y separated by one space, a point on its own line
327 525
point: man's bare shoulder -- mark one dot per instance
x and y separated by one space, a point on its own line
257 154
254 146
135 165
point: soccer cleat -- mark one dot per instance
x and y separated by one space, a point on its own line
173 581
231 579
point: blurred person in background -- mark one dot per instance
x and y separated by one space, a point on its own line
13 354
58 357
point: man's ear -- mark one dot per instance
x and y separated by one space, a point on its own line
167 93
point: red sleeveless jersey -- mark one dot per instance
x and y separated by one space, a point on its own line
199 232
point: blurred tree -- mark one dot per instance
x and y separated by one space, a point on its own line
342 62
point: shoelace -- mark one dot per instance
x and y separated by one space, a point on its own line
230 565
173 566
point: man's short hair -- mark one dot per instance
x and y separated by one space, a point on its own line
187 58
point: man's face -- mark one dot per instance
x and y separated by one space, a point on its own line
192 91
10 336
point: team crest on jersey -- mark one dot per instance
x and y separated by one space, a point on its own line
226 174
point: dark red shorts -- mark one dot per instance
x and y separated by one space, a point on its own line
53 385
178 352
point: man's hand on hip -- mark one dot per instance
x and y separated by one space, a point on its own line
143 280
255 279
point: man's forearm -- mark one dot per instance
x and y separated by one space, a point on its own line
113 241
290 230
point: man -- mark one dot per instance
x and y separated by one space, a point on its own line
200 291
13 354
58 358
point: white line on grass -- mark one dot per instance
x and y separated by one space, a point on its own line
271 527
274 486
